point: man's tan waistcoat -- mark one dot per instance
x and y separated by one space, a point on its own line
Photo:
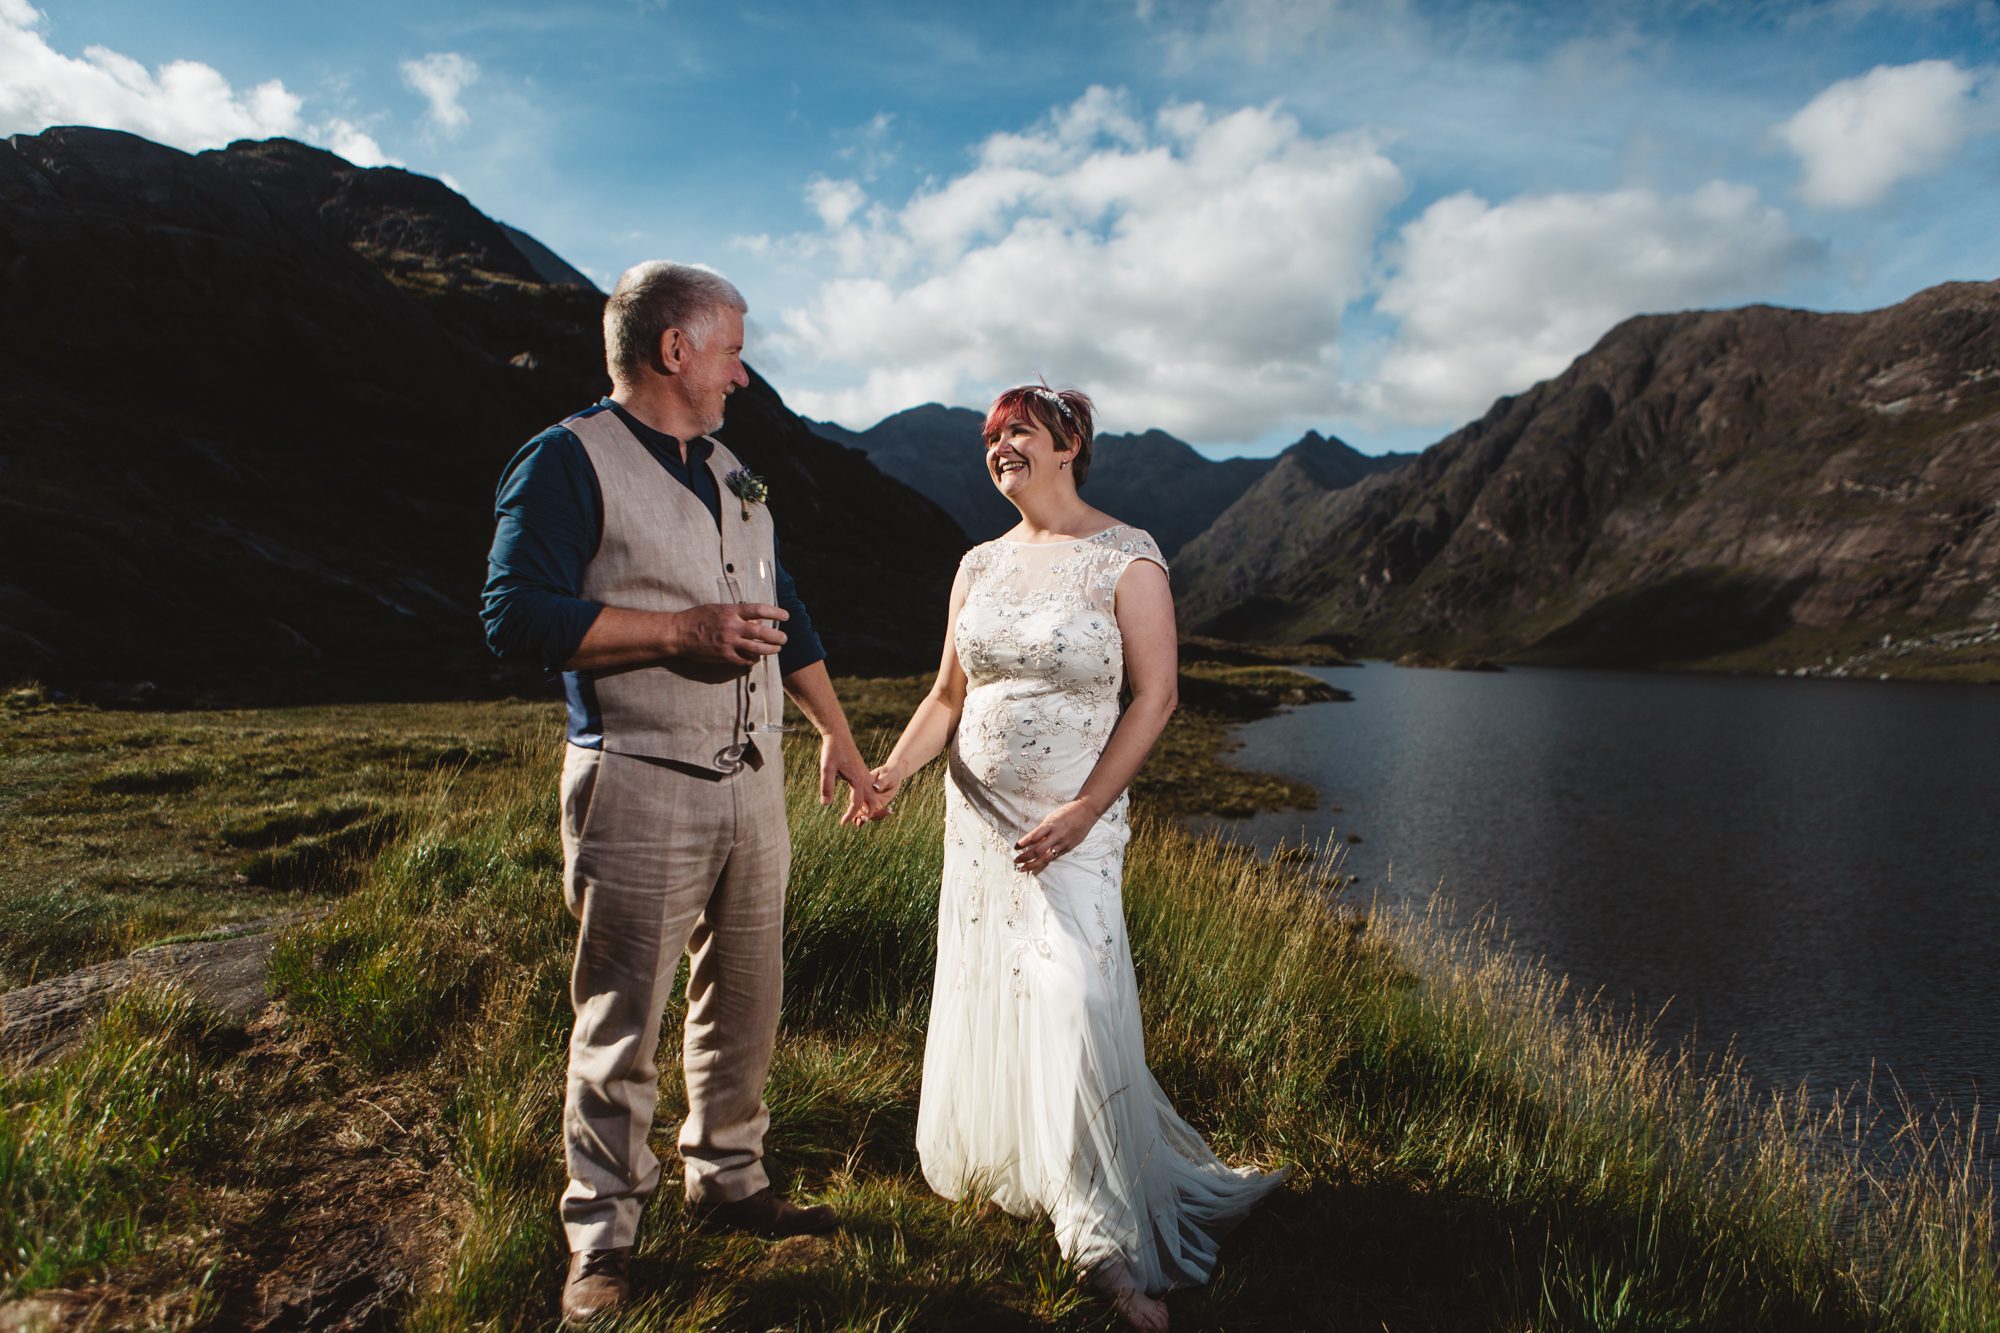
661 551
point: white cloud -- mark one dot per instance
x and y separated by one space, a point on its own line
184 103
1196 271
1190 272
1255 30
1594 68
872 146
1862 136
440 78
1494 297
354 143
835 201
1861 9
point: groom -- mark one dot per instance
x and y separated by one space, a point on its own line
612 557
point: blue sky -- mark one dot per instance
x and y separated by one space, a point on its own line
1234 220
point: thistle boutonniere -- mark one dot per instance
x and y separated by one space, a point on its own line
748 488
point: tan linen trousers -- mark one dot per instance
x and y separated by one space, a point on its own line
657 860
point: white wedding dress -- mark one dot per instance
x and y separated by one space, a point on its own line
1036 1092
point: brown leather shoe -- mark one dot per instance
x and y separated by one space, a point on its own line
597 1285
766 1214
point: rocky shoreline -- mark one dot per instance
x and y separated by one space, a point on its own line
1891 658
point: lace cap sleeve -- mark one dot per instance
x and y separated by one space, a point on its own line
1137 544
1118 548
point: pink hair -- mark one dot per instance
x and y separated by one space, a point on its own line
1067 415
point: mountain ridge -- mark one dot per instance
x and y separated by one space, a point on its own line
1149 478
1752 489
258 400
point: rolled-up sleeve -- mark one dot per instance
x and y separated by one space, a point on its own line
802 646
547 515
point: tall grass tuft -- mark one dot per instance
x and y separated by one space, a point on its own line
94 1146
460 905
861 916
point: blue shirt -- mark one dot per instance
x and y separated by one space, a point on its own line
548 520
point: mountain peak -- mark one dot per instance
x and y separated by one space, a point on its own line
283 149
1330 463
1734 488
398 218
330 389
931 414
1154 449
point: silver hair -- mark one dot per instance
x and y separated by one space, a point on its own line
655 296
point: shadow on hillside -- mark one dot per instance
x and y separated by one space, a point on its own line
1377 1254
1395 1254
1692 616
1250 619
1412 1256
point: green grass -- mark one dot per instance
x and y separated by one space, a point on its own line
1961 663
121 829
1472 1151
1468 1156
95 1151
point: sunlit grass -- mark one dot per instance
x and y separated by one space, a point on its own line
1535 1164
92 1149
120 829
1473 1148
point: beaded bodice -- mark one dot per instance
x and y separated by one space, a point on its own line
1044 662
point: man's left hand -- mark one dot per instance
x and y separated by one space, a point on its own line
840 761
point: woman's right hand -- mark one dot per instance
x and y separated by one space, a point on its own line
885 781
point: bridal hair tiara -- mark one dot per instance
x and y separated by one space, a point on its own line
1057 399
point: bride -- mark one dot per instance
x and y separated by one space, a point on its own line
1036 1092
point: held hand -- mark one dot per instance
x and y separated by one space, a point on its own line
885 782
839 761
1059 832
735 633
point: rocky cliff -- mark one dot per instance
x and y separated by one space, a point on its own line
1161 484
1748 489
256 402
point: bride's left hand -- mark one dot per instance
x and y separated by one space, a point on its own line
840 762
1059 832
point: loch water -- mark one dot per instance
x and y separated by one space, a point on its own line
1808 869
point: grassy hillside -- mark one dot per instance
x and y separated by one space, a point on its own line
122 829
385 1144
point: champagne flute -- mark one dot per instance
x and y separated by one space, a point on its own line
729 593
762 586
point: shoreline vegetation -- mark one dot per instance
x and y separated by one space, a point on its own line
1895 650
1475 1150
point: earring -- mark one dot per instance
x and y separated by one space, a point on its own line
1065 462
